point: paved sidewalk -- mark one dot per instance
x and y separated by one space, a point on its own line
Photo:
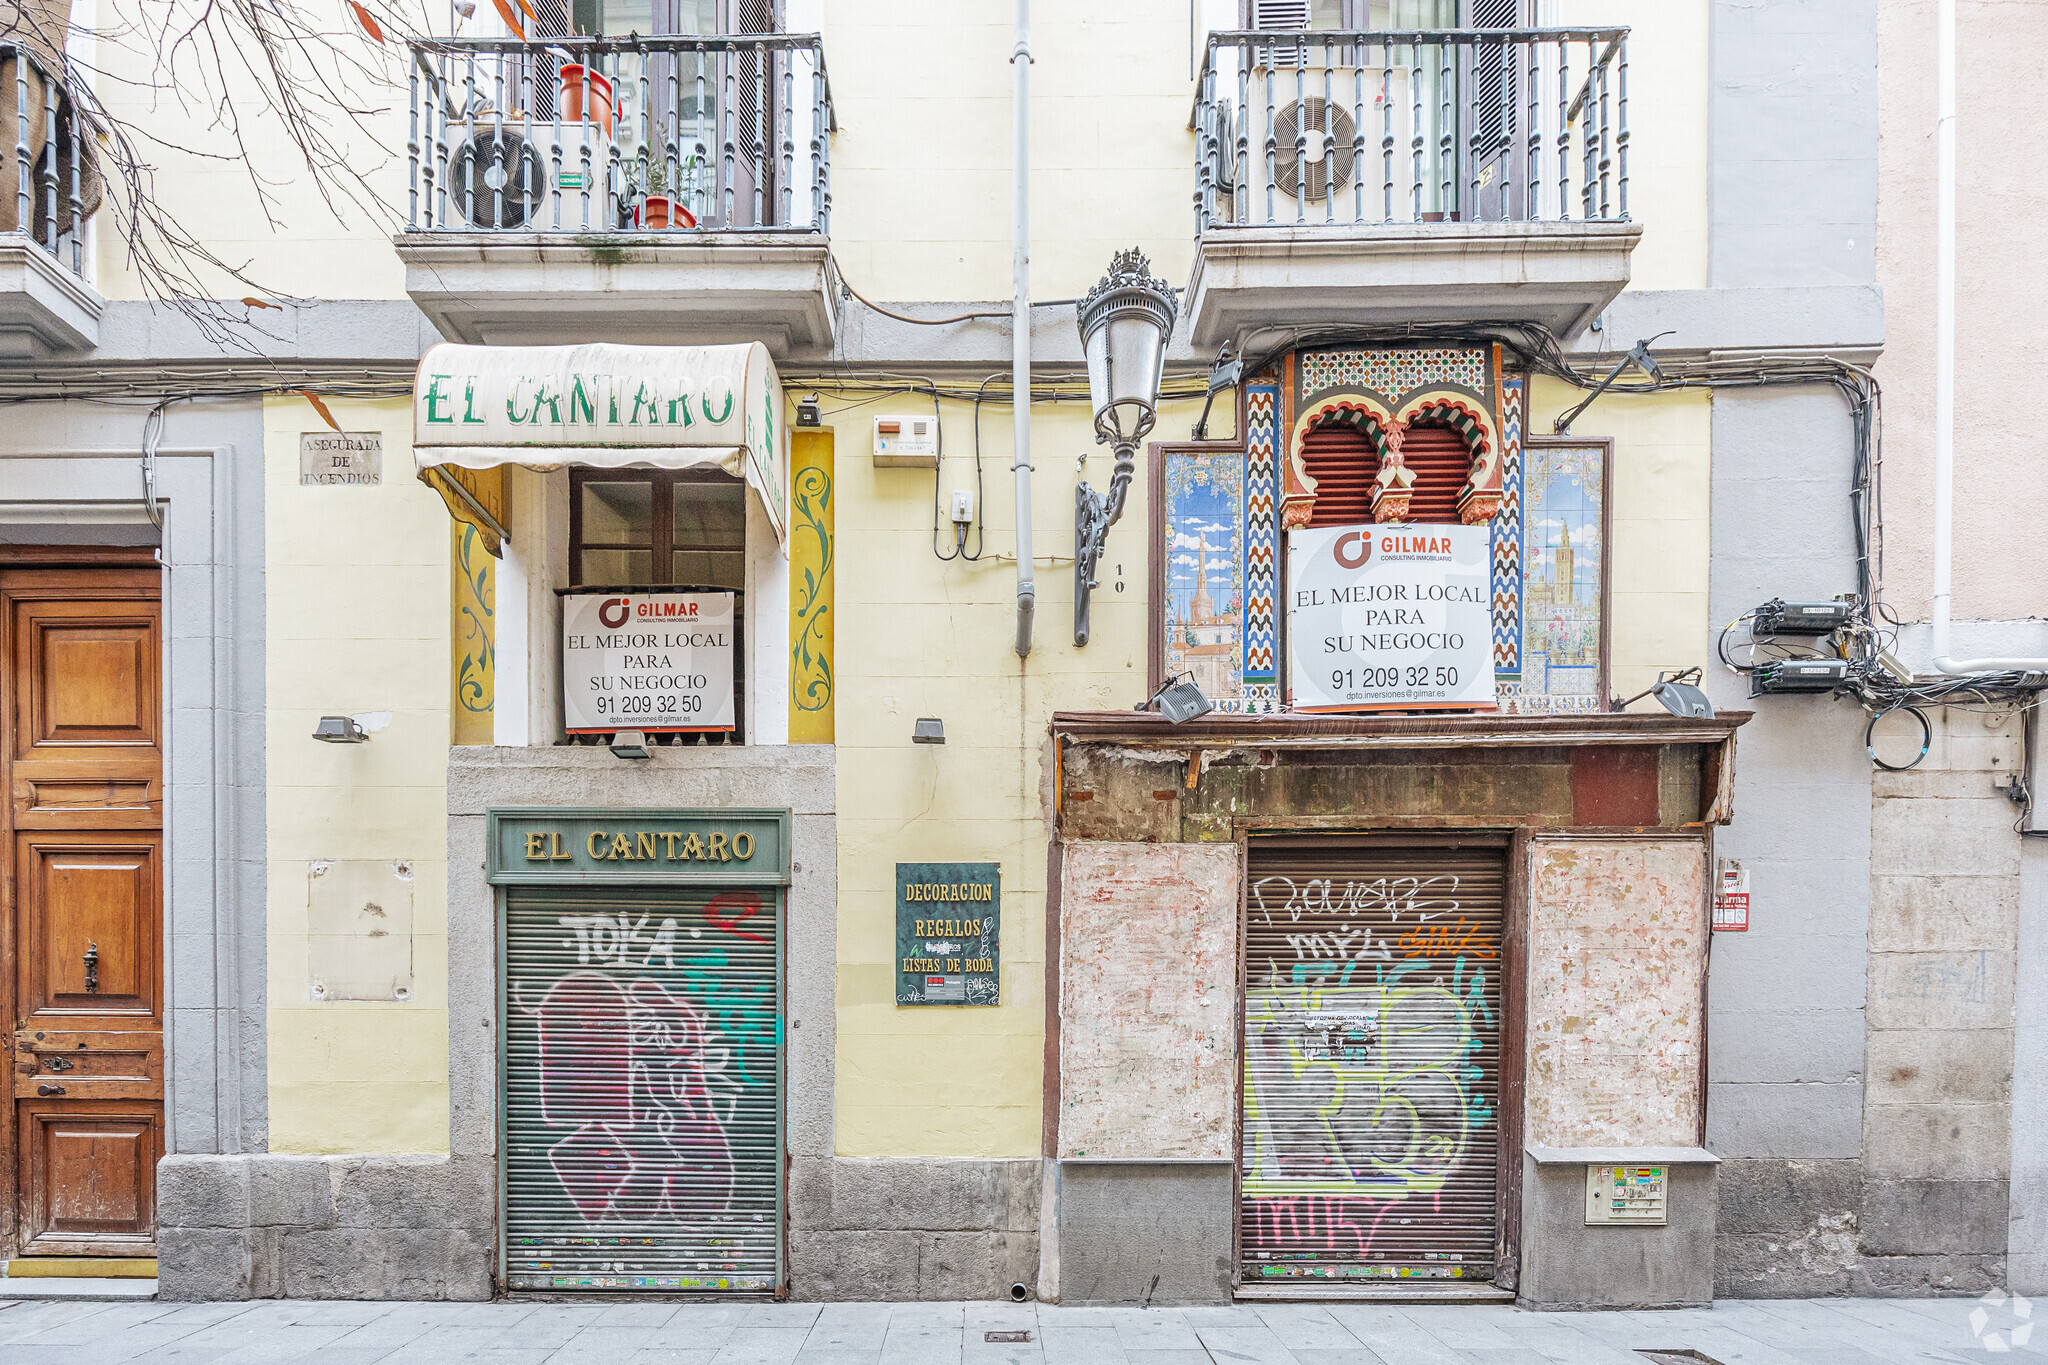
1737 1332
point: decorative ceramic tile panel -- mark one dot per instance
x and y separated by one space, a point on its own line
1261 526
1204 616
1564 492
1394 371
1507 539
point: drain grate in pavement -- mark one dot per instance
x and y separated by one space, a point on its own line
1686 1356
1006 1336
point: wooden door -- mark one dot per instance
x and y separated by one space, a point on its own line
81 708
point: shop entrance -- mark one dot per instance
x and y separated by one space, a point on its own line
81 708
641 1068
1371 1136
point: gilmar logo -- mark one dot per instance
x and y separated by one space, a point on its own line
1353 550
2012 1332
614 611
1415 545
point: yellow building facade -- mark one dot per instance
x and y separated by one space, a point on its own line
498 988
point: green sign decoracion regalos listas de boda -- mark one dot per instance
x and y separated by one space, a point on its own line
948 940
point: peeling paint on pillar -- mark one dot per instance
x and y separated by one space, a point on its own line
1148 1000
1617 956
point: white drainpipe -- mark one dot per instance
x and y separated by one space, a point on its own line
1020 319
1945 354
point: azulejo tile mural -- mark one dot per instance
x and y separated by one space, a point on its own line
1219 559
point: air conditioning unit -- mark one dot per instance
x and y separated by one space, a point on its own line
496 178
1314 148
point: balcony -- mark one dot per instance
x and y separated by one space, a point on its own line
48 156
655 190
1381 178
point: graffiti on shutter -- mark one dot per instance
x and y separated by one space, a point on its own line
642 1115
1372 1061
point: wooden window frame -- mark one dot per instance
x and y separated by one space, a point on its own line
661 542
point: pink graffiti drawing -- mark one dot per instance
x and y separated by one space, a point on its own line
624 1066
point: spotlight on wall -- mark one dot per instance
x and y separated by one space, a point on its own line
808 413
1179 699
1679 694
629 744
1638 356
928 730
340 730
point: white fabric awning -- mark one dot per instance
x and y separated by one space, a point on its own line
607 406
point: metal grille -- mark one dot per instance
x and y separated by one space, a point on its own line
642 1089
1372 1059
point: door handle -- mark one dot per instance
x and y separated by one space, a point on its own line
92 968
49 1090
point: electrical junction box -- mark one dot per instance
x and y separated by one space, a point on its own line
1779 617
1625 1195
907 442
1798 675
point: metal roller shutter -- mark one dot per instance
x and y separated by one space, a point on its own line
1372 1059
642 1088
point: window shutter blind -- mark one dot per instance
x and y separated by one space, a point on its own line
1280 14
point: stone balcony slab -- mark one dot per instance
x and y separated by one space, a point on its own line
519 289
1558 274
44 308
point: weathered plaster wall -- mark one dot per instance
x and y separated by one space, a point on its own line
1616 956
358 625
2001 140
1794 115
1785 1029
1148 990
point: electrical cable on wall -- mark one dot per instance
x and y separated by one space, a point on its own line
980 519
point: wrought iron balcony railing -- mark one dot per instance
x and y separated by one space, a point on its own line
48 157
620 135
1442 125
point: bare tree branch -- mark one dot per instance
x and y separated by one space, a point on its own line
234 74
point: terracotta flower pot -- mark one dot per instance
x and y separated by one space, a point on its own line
586 97
656 212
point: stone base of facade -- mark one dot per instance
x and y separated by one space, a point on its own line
888 1228
1143 1232
325 1227
1807 1229
423 1228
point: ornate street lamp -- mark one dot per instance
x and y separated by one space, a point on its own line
1125 321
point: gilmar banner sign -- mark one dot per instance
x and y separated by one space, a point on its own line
606 406
1390 618
657 662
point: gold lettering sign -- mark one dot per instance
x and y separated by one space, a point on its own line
642 846
946 891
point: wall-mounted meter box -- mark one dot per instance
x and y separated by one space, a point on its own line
1625 1194
907 442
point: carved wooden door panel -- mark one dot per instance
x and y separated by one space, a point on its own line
82 711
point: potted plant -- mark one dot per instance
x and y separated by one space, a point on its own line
586 96
658 209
